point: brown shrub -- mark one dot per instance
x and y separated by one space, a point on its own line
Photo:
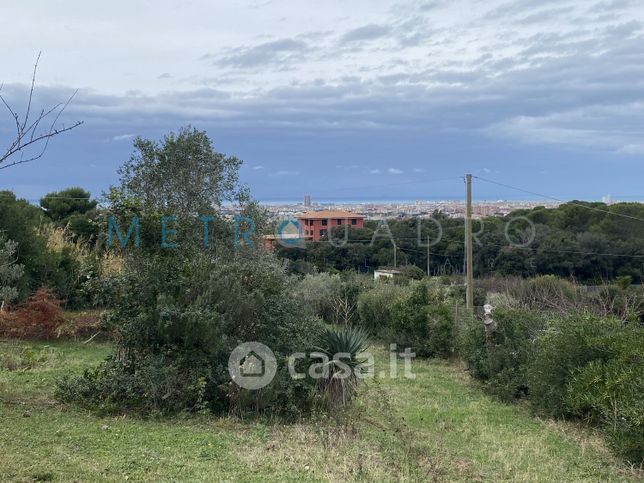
37 318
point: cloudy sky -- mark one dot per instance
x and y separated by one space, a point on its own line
367 99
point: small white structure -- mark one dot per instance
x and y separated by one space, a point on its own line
385 273
490 325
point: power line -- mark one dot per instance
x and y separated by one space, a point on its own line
574 252
550 250
559 200
386 185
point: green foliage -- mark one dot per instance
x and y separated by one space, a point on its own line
316 293
546 292
375 306
155 383
609 393
499 359
566 240
10 272
346 340
342 347
181 175
568 343
423 324
410 272
333 298
61 205
23 358
575 366
179 318
18 222
592 367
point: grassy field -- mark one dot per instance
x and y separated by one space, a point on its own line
438 427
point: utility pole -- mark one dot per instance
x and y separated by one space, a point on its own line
428 257
395 258
469 281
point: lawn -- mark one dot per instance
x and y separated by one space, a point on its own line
437 427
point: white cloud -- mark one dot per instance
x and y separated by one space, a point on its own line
374 171
508 68
635 149
284 172
258 167
418 170
123 137
395 171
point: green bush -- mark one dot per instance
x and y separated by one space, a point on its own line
422 324
547 292
316 293
575 366
609 394
593 368
331 297
342 373
499 359
568 344
178 320
375 306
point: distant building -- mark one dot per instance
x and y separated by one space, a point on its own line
316 224
385 273
307 200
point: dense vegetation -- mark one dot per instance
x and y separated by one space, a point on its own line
571 352
177 303
590 242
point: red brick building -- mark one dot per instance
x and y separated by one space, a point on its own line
316 224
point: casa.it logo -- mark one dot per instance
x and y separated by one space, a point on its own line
252 365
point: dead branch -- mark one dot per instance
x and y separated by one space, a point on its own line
28 133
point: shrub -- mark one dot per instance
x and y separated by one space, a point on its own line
20 358
177 323
499 359
568 344
37 318
375 306
331 297
10 272
156 383
317 292
423 325
547 292
80 325
609 394
341 373
593 368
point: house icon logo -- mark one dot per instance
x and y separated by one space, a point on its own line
288 233
252 365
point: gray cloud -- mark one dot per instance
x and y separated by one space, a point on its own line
275 52
579 85
366 32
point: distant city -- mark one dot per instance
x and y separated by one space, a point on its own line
378 210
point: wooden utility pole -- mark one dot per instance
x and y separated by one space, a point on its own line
428 257
395 257
469 282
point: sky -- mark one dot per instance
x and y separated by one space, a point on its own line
360 100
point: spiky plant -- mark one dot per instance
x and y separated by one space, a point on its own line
342 347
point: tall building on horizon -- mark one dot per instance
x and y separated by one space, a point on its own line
307 200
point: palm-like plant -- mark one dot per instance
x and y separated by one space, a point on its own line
342 347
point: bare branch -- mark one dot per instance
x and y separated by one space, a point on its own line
27 134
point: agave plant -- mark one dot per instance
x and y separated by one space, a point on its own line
342 348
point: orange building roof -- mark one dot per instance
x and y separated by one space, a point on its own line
316 215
